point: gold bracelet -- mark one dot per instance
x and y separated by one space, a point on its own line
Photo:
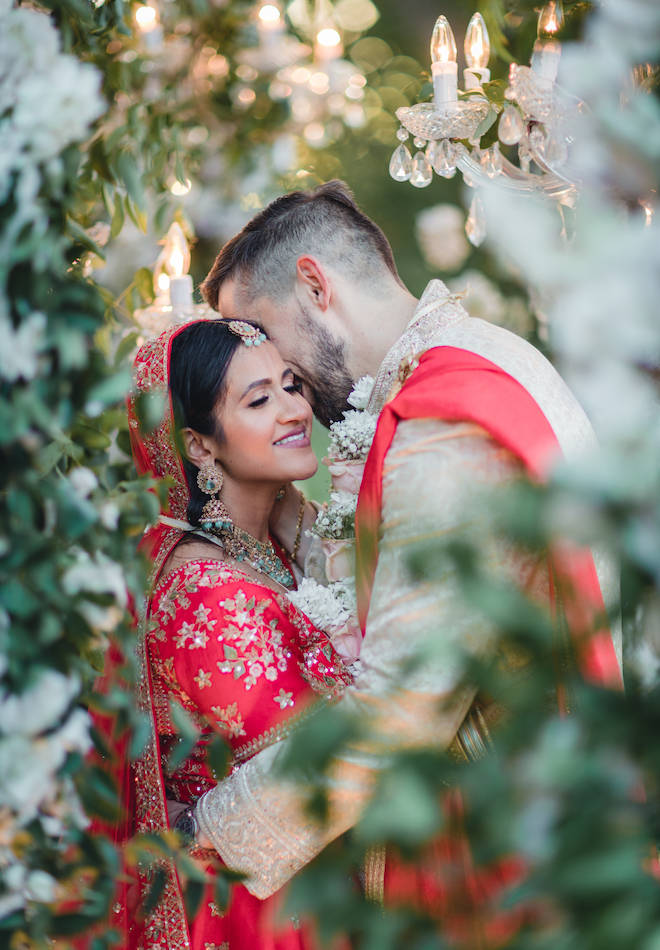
301 515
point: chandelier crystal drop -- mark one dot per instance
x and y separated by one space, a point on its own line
475 227
512 126
422 173
401 164
445 159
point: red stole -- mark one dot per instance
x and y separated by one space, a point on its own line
459 386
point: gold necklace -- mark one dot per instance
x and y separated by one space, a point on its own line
261 555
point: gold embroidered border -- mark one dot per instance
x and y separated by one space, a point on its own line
275 733
374 874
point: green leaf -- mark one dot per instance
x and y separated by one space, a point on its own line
80 236
131 177
495 91
118 217
144 281
126 347
489 119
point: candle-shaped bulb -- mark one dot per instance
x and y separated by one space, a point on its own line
551 20
477 43
443 44
177 253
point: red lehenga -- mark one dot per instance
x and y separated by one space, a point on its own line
242 661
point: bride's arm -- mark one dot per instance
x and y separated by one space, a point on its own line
286 523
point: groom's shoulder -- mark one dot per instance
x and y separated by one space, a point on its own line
533 371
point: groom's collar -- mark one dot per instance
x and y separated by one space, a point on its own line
436 310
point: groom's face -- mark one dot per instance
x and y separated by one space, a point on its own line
305 344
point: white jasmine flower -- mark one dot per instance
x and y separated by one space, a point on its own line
440 233
361 394
327 607
337 519
352 437
83 481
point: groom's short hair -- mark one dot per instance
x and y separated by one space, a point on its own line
324 221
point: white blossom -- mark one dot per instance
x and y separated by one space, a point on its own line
359 397
83 481
326 607
441 236
353 435
337 518
40 706
20 347
48 99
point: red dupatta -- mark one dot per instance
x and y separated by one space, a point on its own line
457 385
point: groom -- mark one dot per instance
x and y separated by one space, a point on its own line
464 408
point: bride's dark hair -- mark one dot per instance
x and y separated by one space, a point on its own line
199 362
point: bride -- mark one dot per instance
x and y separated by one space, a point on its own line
221 638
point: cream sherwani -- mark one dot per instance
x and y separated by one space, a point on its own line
435 477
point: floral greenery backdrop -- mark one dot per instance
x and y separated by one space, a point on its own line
100 119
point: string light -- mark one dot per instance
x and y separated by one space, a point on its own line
179 189
145 18
269 13
328 37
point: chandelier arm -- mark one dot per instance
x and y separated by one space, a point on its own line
513 179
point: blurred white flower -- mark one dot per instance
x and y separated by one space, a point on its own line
20 347
440 232
40 707
83 481
98 575
109 515
48 99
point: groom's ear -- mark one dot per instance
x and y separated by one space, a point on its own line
314 281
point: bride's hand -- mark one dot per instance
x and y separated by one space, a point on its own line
174 809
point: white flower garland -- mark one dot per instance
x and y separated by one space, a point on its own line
48 100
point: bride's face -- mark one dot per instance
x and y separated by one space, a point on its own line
265 420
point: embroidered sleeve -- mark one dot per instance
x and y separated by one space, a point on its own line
238 656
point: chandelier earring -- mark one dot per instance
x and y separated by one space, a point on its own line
214 513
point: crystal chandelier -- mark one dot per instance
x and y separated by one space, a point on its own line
536 116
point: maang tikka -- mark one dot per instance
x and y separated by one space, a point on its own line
214 513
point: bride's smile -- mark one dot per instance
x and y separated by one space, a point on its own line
262 414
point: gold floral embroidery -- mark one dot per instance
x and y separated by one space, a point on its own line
203 678
258 649
284 699
230 719
216 946
215 910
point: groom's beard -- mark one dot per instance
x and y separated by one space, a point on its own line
325 371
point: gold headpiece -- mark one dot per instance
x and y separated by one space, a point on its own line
251 336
